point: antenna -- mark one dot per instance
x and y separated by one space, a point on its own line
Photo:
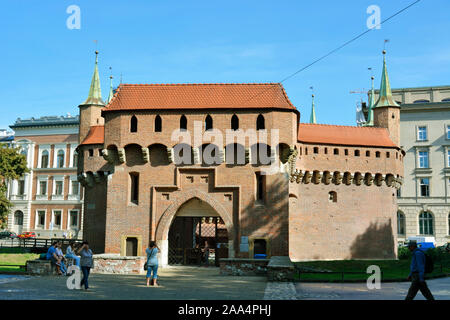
384 44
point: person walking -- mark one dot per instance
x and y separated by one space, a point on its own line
86 262
206 254
152 263
417 274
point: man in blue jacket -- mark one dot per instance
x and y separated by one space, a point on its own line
417 274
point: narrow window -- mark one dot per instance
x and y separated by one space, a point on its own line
60 159
260 124
75 187
422 133
423 159
234 122
75 159
183 123
388 154
260 186
42 188
208 123
326 150
332 196
316 150
134 188
100 152
158 124
21 187
424 187
367 153
91 152
356 153
44 159
133 124
377 154
346 152
336 151
306 151
401 227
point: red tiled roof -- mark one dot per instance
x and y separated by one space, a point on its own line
344 135
199 96
96 135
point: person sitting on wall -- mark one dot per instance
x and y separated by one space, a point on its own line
60 254
53 257
70 253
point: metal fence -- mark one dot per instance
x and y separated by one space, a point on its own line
36 244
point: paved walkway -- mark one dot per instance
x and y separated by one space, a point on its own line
178 283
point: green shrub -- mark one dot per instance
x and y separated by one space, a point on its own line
404 253
436 254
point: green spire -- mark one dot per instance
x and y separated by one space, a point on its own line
95 92
370 107
312 119
111 92
385 98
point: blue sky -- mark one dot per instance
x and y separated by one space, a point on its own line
46 68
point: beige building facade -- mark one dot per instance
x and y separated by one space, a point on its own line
424 198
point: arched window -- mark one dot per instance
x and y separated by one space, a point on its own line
422 101
260 125
158 124
44 159
133 124
446 100
401 223
18 218
426 223
60 159
234 122
208 123
183 123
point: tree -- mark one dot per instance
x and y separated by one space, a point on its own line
13 165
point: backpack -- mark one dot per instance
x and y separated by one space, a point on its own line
429 264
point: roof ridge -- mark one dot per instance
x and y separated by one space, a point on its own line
202 84
337 125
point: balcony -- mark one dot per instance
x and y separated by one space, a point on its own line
57 197
18 197
41 197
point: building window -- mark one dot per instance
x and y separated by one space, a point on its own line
260 187
377 154
346 152
75 188
422 133
234 122
91 152
424 187
316 150
325 150
58 188
448 158
448 132
400 223
57 219
423 159
367 153
75 159
388 154
18 218
260 123
208 123
399 192
21 187
133 124
332 196
44 159
306 151
336 151
183 123
60 159
134 187
426 223
356 153
158 124
42 187
73 218
40 219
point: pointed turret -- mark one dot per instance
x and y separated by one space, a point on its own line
369 122
385 98
91 108
312 119
95 91
386 112
111 91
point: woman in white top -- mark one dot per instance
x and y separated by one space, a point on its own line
70 253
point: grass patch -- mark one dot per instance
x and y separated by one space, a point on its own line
14 256
392 270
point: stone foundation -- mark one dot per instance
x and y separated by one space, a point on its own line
40 267
243 267
280 269
116 264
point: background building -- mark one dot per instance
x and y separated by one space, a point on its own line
47 200
423 200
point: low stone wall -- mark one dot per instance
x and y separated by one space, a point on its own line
40 267
280 269
243 267
116 264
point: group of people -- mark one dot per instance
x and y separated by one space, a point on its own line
80 253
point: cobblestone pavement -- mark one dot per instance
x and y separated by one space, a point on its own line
359 291
178 283
4 278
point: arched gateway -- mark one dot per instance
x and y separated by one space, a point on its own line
187 214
